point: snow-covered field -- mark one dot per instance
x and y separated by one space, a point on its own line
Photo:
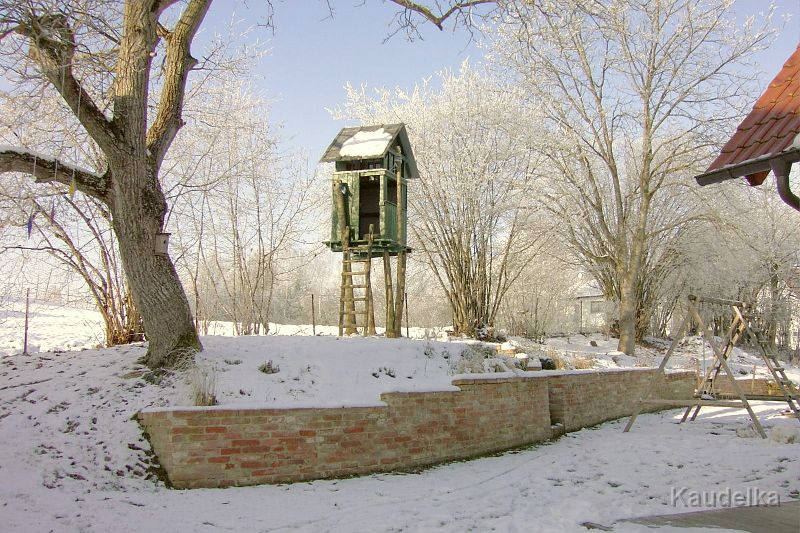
71 458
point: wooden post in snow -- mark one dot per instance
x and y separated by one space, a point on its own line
401 256
313 317
387 279
27 309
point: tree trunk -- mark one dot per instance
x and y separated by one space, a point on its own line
627 314
138 214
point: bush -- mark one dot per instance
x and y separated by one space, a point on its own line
269 368
553 361
547 362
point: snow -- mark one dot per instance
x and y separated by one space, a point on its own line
48 158
50 328
72 459
366 144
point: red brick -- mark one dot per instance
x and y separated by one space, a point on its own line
245 442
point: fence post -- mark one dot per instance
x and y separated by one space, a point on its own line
313 316
27 309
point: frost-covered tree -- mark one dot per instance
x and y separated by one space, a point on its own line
469 213
634 93
242 210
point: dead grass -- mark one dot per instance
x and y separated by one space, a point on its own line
583 363
203 386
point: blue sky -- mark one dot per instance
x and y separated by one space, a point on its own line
313 56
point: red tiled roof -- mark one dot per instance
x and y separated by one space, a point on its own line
772 125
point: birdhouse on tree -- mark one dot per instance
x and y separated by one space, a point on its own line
369 187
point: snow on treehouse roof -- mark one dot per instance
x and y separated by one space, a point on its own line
370 142
770 130
366 144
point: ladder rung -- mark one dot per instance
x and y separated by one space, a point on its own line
353 273
356 299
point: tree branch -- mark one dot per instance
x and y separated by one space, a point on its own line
52 47
47 170
177 66
438 20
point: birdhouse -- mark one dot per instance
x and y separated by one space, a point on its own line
162 243
372 164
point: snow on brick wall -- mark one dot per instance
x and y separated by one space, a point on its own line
220 447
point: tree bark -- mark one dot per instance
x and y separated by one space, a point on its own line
155 287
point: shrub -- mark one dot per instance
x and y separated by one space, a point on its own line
583 363
269 368
547 362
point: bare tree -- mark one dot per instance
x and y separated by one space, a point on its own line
241 207
66 43
634 92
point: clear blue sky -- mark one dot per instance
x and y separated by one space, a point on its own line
313 56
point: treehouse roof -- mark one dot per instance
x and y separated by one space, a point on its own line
768 133
371 142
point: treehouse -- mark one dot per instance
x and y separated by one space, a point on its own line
372 164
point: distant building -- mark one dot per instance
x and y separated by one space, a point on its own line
590 308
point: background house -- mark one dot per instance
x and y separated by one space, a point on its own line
590 308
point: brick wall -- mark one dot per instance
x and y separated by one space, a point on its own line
748 385
581 399
219 446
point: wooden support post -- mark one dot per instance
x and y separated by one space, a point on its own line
347 303
405 298
397 324
387 279
401 291
370 305
660 374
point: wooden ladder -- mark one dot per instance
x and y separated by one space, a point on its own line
788 389
705 396
355 299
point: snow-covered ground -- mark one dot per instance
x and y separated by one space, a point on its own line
71 458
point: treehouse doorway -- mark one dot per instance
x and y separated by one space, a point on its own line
369 209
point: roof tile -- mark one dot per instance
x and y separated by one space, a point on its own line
772 125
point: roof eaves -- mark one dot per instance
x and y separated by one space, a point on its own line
747 168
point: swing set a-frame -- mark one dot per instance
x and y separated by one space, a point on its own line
706 394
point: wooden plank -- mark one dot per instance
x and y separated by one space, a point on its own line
693 403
